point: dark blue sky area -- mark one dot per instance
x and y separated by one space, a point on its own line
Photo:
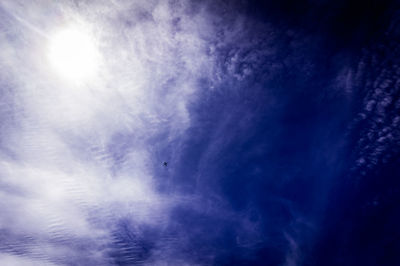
279 144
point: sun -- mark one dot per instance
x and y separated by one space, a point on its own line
73 54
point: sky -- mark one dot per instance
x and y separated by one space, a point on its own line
279 122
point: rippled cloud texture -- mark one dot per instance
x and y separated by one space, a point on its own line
257 113
79 159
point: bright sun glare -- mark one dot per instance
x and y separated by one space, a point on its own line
73 54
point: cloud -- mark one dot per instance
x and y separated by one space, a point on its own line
79 157
81 175
377 81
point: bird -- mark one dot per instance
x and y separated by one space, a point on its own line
165 163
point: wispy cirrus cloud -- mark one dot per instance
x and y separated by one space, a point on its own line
77 157
249 112
377 79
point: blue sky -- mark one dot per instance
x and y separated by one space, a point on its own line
279 123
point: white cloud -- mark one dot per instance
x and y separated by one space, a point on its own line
68 177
